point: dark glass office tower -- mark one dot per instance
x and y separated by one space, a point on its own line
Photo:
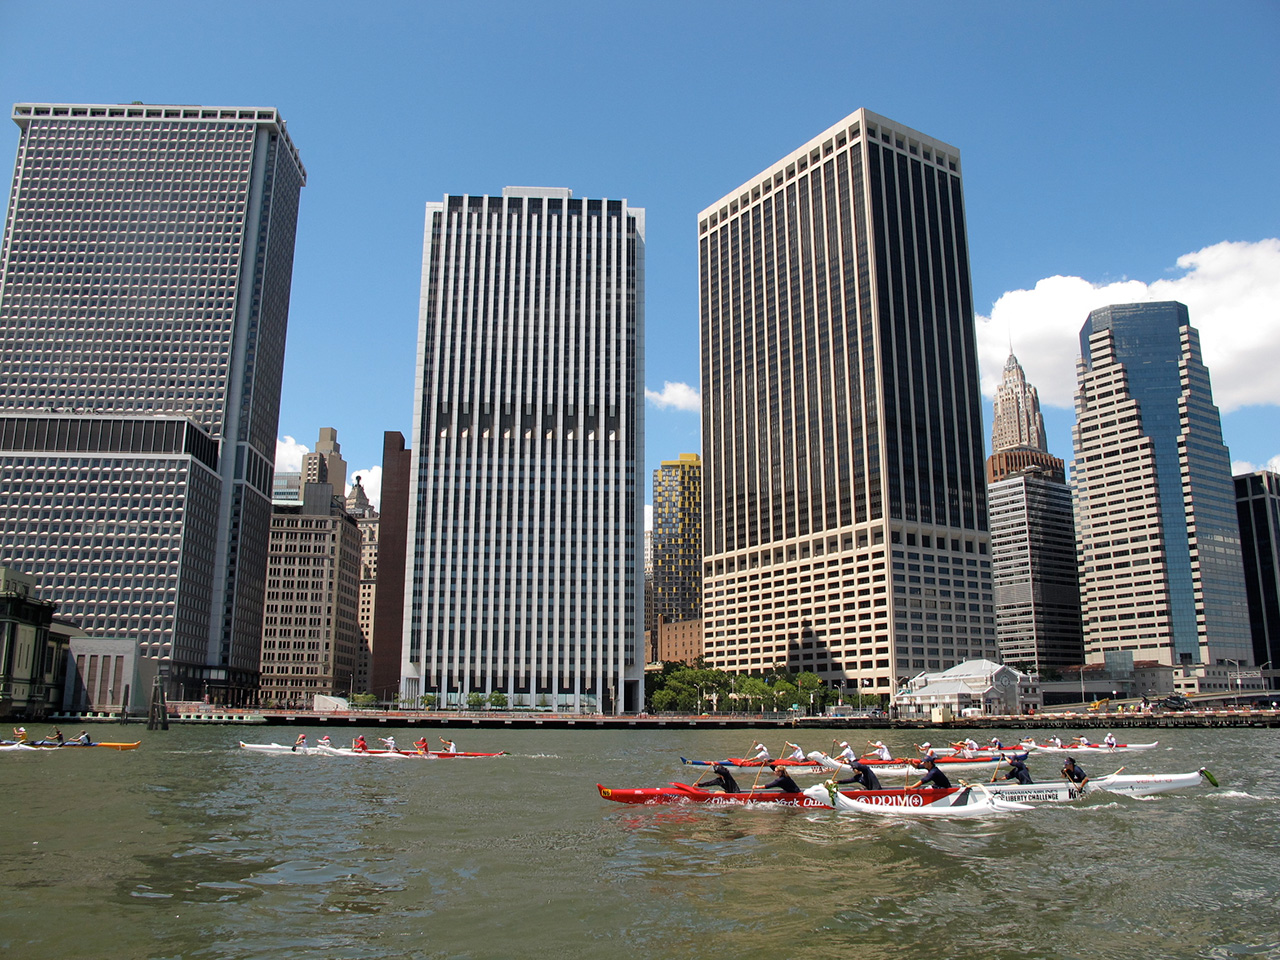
1158 539
1258 509
526 504
145 276
845 517
677 540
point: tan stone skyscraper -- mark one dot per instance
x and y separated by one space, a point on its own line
1017 429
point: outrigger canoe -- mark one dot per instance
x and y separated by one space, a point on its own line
687 793
67 744
743 763
419 754
1011 795
904 766
1094 747
968 801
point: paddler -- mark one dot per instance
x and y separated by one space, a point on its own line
300 742
846 754
20 734
56 737
796 753
389 743
863 776
722 779
83 737
782 781
422 744
1109 740
998 744
358 744
933 778
763 755
1018 770
880 750
1075 773
449 745
927 749
324 741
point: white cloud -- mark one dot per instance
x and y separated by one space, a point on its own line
681 396
1232 290
1244 466
289 455
371 480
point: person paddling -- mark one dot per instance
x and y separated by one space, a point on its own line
763 755
449 745
300 742
782 781
1075 773
881 751
722 779
863 776
359 745
934 778
796 753
846 754
1018 770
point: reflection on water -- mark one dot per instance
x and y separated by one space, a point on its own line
192 848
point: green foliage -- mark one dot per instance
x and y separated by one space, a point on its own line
498 700
362 701
428 701
476 700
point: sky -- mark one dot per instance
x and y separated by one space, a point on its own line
1111 153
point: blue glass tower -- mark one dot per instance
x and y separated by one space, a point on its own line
1159 544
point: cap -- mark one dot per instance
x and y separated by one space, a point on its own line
929 760
1070 760
844 743
926 745
877 743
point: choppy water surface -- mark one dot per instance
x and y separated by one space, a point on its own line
192 848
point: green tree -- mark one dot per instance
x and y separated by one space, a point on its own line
428 701
498 700
363 701
476 700
785 695
755 691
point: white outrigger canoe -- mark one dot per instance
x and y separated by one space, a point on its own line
973 801
1094 748
282 748
901 767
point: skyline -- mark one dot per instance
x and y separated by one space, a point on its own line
1146 196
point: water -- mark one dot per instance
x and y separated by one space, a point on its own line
192 848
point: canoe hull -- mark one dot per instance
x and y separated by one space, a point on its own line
686 793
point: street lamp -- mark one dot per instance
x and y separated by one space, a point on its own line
1237 679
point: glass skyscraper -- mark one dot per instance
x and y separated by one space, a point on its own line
1258 508
845 512
677 540
1158 539
144 295
526 502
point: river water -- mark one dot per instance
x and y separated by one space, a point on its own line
192 848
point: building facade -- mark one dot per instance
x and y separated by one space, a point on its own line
310 632
144 282
675 546
324 464
388 602
526 510
367 520
1033 565
32 660
1158 541
845 514
1258 510
1033 535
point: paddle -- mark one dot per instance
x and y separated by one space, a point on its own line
996 770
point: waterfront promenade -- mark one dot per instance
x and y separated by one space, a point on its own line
1057 719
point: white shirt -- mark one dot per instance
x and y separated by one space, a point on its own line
796 754
847 755
883 753
764 752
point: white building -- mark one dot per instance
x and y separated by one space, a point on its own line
981 686
526 508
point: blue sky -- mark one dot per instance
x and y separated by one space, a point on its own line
1130 146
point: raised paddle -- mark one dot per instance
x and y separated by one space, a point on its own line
996 770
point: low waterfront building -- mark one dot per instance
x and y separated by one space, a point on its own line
108 675
32 658
975 686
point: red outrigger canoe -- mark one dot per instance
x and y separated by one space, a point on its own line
744 763
685 793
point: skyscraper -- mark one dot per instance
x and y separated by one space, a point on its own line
1258 509
1033 535
1158 539
367 520
144 296
324 464
677 539
1018 439
845 514
526 507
